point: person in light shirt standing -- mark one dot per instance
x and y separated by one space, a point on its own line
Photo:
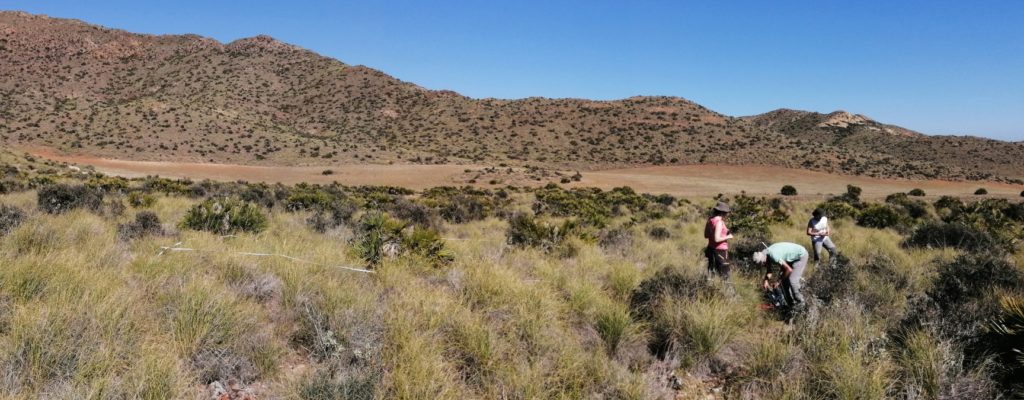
819 231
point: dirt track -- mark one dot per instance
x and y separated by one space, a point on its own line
689 180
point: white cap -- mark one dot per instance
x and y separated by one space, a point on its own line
760 257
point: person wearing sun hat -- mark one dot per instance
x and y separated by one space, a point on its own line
791 260
718 235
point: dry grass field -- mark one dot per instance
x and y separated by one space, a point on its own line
143 289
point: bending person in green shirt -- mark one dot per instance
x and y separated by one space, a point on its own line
791 260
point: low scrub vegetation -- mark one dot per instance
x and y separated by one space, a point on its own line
225 217
327 291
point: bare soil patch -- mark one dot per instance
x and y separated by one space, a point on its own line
690 180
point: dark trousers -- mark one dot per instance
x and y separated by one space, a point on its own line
718 262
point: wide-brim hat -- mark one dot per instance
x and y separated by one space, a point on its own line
723 207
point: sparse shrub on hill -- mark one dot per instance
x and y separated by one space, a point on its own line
60 198
788 190
981 192
225 216
916 192
145 223
10 218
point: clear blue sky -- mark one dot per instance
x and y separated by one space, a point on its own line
939 67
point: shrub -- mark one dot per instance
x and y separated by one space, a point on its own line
1005 338
412 212
327 172
141 200
788 190
337 214
60 198
615 239
880 217
526 231
666 288
964 294
916 192
225 216
981 192
377 237
839 209
145 223
659 233
950 234
427 243
10 218
754 215
305 197
912 208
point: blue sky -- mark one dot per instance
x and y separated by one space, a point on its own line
939 67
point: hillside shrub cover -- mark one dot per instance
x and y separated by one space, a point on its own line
225 216
61 198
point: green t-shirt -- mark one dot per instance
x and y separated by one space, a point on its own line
785 251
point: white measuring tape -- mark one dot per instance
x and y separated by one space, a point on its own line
175 247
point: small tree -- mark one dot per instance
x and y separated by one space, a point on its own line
788 190
980 192
916 192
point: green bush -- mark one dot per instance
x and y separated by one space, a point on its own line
225 216
880 217
377 237
428 244
526 231
337 214
788 190
753 216
951 234
141 200
981 192
60 198
916 192
10 218
1005 338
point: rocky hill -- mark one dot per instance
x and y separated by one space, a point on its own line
88 89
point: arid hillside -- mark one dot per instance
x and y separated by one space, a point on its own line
86 89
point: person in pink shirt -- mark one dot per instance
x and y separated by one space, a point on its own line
718 235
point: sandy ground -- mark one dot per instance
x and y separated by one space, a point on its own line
689 180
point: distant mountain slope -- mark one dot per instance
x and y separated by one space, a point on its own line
89 89
861 134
